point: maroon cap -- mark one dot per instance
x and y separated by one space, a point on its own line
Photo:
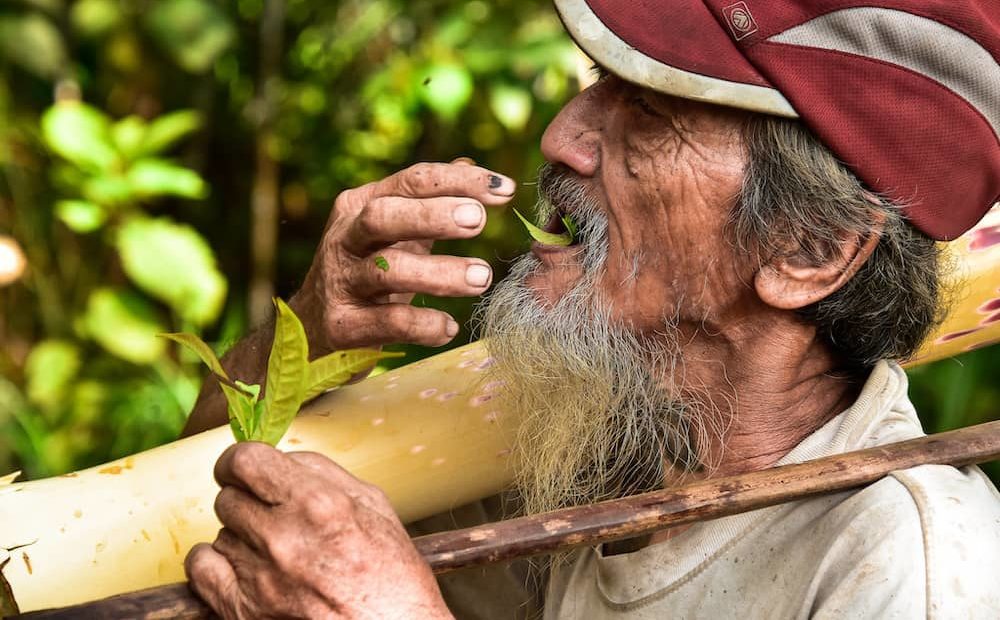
905 92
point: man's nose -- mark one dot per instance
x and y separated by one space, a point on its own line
573 138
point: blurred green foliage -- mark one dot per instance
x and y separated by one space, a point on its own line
130 137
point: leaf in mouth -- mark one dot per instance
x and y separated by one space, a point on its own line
541 236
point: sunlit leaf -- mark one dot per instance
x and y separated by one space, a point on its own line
157 177
109 190
193 32
50 369
128 135
446 89
175 264
337 368
33 42
81 216
542 236
287 369
199 347
94 18
167 130
81 134
241 411
124 324
511 105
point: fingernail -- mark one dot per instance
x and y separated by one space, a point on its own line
451 328
501 186
468 215
477 275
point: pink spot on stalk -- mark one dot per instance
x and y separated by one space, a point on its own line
985 238
466 363
378 421
475 401
956 335
391 386
438 461
428 393
992 305
468 353
980 345
503 453
365 398
417 449
491 417
492 386
447 396
993 318
486 363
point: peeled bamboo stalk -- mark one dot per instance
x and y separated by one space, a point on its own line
127 525
428 434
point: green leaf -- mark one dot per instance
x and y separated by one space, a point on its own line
446 89
193 32
156 177
511 105
50 369
199 347
241 414
124 324
286 373
95 18
33 42
382 263
81 134
128 135
81 216
252 389
541 236
337 368
169 129
173 263
108 190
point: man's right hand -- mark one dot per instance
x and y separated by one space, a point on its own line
375 255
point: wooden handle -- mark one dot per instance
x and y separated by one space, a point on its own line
622 518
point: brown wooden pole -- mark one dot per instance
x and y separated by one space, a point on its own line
622 518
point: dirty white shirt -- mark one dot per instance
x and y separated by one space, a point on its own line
920 543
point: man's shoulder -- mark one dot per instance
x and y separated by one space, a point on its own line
932 531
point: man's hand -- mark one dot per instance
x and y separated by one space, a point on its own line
374 256
302 538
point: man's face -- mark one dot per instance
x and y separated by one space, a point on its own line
586 338
665 172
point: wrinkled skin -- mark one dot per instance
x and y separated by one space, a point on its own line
666 171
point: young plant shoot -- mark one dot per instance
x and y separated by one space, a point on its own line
548 238
291 378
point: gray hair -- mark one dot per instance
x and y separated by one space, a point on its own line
799 200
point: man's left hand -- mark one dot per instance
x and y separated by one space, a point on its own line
303 538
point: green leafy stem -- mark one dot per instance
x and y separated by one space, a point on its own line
542 236
291 378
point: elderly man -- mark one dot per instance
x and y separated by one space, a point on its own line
758 188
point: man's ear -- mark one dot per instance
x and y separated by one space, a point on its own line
786 282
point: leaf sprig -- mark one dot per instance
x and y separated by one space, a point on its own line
542 236
291 378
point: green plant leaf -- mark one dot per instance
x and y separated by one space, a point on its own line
252 389
108 190
150 178
241 412
287 368
125 324
95 18
337 368
541 236
173 263
193 32
167 130
81 134
511 105
32 41
201 348
446 89
128 135
80 215
50 368
382 263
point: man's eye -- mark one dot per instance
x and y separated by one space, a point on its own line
639 102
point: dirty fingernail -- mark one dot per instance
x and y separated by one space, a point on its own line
501 186
468 215
451 328
477 275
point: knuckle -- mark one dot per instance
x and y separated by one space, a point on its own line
282 552
320 508
420 178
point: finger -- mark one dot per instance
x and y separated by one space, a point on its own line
244 515
395 271
464 161
391 323
338 477
212 578
427 180
389 219
256 468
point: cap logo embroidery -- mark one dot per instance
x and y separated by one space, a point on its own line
740 20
